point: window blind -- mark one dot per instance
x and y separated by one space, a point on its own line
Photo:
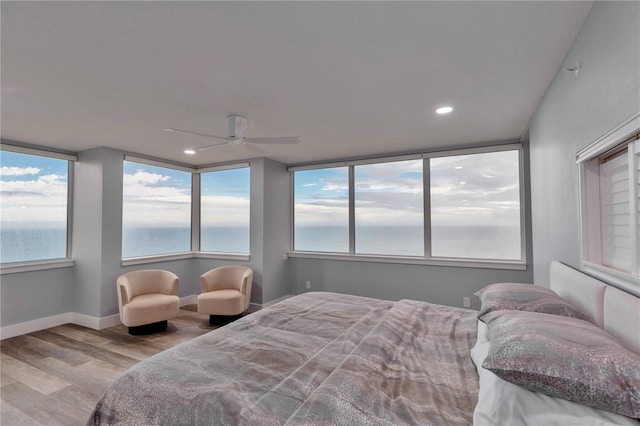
614 214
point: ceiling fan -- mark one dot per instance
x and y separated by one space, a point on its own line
237 127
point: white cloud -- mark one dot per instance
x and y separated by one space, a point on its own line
38 203
151 200
224 211
18 171
321 215
141 177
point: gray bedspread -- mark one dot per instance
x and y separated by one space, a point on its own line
317 358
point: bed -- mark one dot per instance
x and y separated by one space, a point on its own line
327 358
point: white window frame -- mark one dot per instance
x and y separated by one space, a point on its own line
38 265
196 231
195 214
590 242
427 259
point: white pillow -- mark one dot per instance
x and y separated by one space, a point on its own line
503 403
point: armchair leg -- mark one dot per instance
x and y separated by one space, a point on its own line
223 319
148 328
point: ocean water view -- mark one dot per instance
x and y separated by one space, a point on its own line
482 242
489 242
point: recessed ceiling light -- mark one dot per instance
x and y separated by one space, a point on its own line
189 151
444 110
458 167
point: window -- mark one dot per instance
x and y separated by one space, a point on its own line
34 195
224 211
321 210
610 207
475 206
389 208
156 210
451 207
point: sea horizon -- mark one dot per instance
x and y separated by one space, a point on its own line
491 242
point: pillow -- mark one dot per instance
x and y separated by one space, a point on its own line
565 358
503 403
524 297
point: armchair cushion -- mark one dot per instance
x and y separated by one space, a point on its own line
225 290
147 296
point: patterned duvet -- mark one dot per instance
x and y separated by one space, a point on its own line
317 358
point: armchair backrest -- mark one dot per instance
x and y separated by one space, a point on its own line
228 277
145 281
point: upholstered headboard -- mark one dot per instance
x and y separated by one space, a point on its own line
614 310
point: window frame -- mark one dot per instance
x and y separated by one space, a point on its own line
134 260
427 259
626 132
195 214
43 264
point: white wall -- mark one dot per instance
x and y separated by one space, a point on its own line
575 111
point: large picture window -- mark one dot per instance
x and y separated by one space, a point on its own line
224 210
389 208
34 198
475 206
156 210
458 206
321 210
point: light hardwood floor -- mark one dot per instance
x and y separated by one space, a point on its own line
55 376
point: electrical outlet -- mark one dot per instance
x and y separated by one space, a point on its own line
466 302
308 285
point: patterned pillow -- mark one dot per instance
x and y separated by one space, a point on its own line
565 358
524 297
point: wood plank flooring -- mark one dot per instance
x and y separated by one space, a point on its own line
56 376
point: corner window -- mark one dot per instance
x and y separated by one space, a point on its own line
34 195
156 210
610 209
224 210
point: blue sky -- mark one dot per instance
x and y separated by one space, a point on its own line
158 196
466 190
33 191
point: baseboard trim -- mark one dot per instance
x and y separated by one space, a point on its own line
21 328
88 321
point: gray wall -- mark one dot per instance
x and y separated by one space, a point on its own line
276 227
434 284
575 111
31 295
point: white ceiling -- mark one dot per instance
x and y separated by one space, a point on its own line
352 78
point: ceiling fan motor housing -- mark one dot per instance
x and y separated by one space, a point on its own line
238 126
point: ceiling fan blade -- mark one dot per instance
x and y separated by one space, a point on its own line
188 132
204 148
287 140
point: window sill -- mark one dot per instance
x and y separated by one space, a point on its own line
36 265
156 258
223 256
450 262
180 256
615 278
